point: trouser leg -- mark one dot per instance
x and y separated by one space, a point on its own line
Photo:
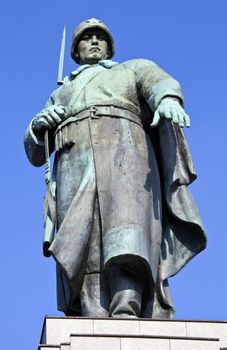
118 296
94 296
126 288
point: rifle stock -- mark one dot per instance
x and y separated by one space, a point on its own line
49 202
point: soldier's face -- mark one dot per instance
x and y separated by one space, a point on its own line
93 47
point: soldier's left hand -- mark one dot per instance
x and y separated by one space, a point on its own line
171 109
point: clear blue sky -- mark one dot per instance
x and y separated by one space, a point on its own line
186 38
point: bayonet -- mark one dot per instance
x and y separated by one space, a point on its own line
61 59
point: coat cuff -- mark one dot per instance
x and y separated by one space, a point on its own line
34 147
165 88
36 139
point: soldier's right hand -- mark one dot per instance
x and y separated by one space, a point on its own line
48 118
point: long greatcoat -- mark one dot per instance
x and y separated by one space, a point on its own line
134 177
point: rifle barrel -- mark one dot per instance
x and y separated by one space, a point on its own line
61 59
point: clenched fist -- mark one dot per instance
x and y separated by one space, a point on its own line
48 118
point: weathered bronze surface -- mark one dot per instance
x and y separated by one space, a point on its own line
125 218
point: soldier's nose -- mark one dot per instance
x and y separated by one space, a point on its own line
94 40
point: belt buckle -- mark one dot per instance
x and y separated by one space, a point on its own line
93 111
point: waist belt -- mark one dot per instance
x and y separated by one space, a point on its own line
95 112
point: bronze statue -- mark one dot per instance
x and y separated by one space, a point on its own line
125 218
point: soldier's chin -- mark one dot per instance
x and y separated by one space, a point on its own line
94 57
96 54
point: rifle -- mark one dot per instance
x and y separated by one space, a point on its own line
49 210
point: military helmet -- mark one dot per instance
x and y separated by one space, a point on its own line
89 24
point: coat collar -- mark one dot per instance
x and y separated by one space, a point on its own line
104 63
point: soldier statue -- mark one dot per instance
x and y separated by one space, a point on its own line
125 219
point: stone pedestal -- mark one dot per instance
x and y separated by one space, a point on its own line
72 333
